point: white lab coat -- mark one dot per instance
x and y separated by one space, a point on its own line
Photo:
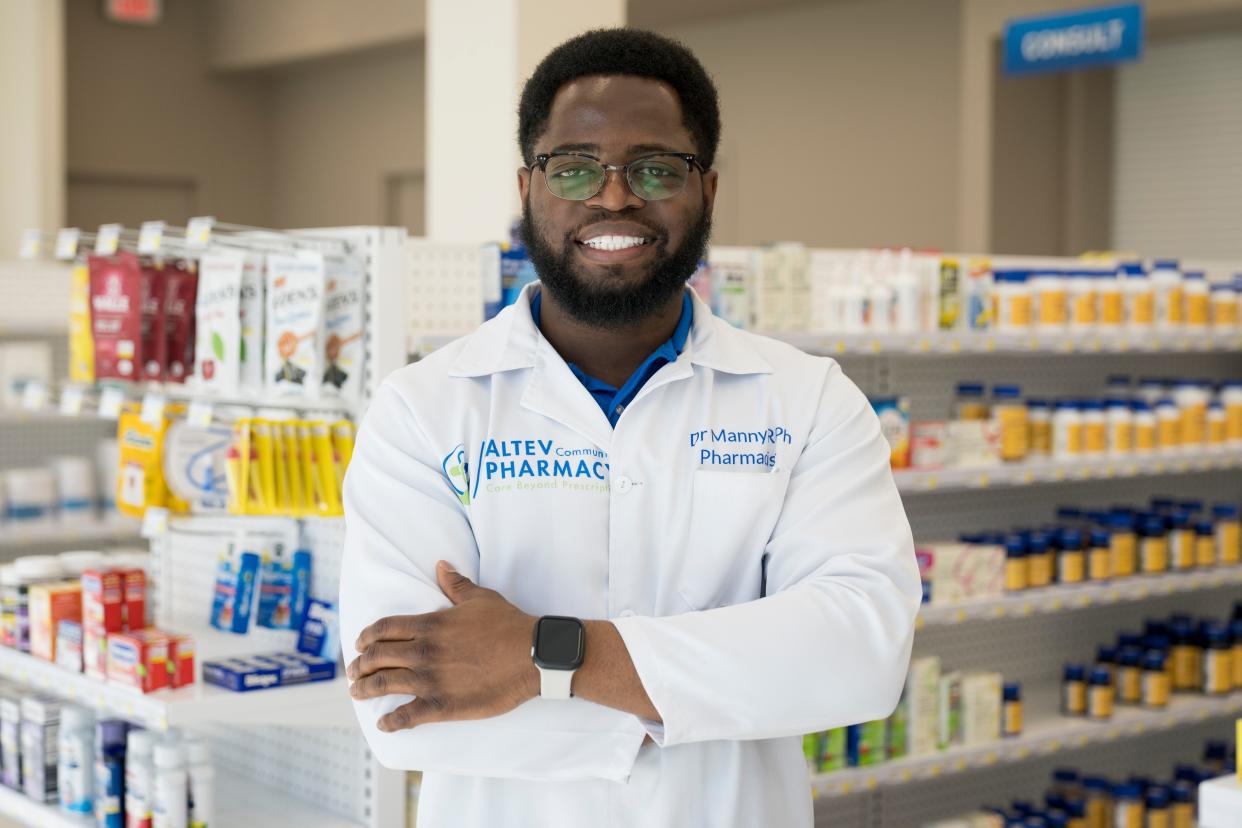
641 526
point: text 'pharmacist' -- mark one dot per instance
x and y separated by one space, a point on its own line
715 506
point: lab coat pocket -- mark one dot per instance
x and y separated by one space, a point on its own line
732 515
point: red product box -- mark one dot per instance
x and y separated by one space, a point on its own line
180 660
103 600
135 599
138 659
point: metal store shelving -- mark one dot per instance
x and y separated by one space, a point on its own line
112 530
1036 342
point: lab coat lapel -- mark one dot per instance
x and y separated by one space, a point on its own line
553 391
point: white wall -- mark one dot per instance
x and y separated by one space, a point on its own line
840 122
1178 181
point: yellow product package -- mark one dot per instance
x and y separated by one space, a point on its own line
280 469
264 452
293 467
330 499
81 342
242 473
140 483
310 474
343 442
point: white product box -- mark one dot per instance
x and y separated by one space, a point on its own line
20 363
963 572
981 708
923 693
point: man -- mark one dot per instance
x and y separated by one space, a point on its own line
717 507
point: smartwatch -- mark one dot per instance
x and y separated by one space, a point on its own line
557 650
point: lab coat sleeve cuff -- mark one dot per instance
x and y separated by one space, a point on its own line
634 631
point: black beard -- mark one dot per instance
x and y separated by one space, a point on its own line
610 308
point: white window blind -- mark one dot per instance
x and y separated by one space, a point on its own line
1177 183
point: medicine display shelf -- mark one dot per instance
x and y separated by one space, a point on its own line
1067 597
321 704
113 529
239 801
1102 467
1036 342
1042 737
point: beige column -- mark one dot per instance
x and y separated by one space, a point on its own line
32 109
479 53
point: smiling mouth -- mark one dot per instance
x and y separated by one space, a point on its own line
615 243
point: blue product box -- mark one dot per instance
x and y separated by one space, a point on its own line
259 672
235 590
319 634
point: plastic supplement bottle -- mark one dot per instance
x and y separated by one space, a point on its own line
1039 427
1138 297
1205 544
1218 661
1198 301
1124 545
1072 561
1217 425
1074 691
1009 414
1011 295
170 810
1224 308
1011 710
1168 425
1038 561
1183 808
1120 427
1155 681
1130 675
1100 556
1015 563
1166 282
1228 533
1111 303
1049 291
969 403
1083 300
1231 397
1154 546
1145 427
1100 694
1183 542
1235 629
1094 428
202 778
75 772
139 778
110 773
1099 801
1128 806
1192 403
1067 428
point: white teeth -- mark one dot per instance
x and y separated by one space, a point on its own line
614 242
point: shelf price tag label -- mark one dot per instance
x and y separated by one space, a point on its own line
71 400
152 408
198 232
67 243
154 522
151 237
110 401
34 396
107 239
31 242
200 413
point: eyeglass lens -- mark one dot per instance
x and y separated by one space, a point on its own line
653 178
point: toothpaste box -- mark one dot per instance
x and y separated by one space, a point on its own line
69 645
180 660
138 659
259 672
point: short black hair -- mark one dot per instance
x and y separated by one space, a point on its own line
623 52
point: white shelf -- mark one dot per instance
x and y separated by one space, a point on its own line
968 342
1043 737
322 704
46 416
1080 596
116 529
239 801
1033 472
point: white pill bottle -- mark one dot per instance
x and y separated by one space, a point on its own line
171 809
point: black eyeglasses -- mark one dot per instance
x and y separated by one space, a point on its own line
575 176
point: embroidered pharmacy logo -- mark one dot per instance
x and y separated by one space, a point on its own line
457 470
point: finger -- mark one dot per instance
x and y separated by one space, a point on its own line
456 586
392 682
393 628
420 711
391 654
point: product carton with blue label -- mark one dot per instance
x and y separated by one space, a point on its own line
260 672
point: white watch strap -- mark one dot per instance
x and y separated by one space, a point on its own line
555 684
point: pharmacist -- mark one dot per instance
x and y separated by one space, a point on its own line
608 558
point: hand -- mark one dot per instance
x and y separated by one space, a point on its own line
471 661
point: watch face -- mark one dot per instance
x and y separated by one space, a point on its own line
558 642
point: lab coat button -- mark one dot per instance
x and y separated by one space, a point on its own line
624 484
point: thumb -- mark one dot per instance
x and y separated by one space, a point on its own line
453 584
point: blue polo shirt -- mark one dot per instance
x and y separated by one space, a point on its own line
612 401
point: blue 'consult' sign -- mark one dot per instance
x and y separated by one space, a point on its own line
1075 40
